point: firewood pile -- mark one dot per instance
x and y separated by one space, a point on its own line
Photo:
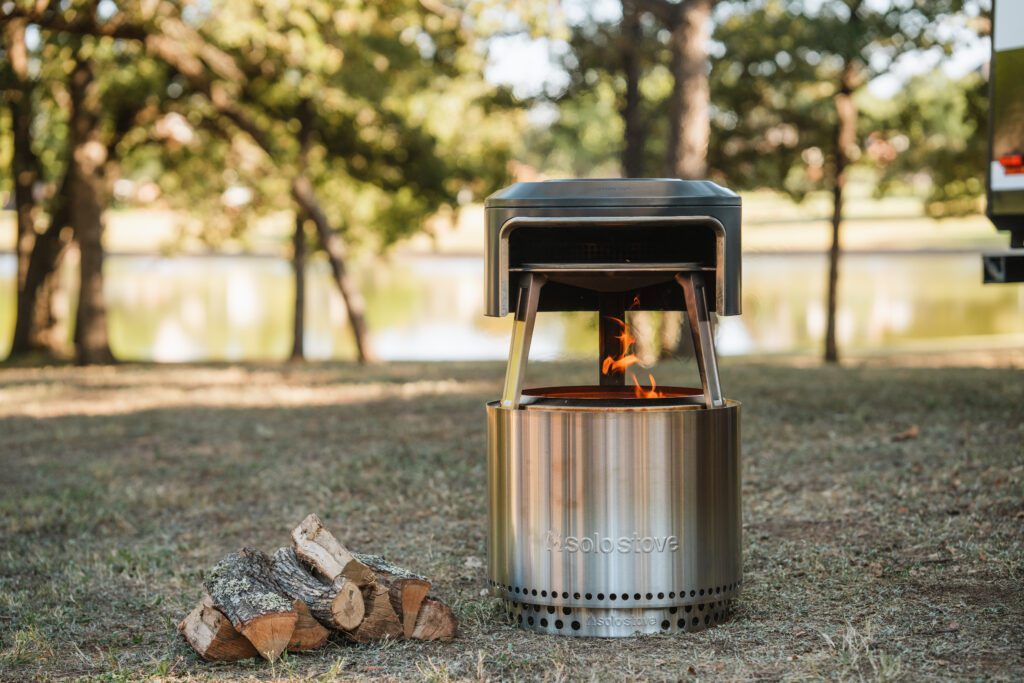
257 605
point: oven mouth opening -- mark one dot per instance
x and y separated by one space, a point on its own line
610 396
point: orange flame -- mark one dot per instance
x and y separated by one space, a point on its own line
641 392
626 358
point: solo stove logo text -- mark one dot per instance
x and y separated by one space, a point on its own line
596 543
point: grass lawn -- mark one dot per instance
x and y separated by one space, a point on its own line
866 555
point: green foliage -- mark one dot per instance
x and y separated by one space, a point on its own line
938 126
398 117
774 119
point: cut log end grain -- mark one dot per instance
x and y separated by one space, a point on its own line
309 634
436 621
270 634
406 590
319 549
381 620
336 604
212 636
243 589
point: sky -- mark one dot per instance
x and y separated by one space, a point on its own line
529 65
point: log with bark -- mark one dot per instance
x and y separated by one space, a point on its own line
406 590
435 621
336 604
211 634
309 633
260 606
381 620
243 588
319 549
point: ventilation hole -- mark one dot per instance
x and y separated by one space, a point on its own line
650 595
565 595
530 621
689 608
517 589
718 589
543 594
693 623
559 624
575 596
681 623
707 619
636 596
600 596
701 592
665 625
672 595
693 593
520 618
590 596
673 610
575 626
534 591
661 596
701 607
536 608
551 610
508 588
566 611
544 623
610 597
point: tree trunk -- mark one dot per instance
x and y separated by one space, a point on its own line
25 172
305 195
845 148
36 324
633 142
299 268
334 247
87 198
689 122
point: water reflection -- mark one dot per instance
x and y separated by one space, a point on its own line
430 307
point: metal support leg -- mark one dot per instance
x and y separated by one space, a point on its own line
522 334
703 341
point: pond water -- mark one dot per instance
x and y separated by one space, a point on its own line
430 307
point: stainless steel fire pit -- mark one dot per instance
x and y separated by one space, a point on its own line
614 510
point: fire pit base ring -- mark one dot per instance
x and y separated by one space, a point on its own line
618 623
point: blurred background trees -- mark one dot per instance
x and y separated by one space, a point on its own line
363 121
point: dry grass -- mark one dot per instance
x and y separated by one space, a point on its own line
865 556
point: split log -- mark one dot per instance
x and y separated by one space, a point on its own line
337 604
212 636
243 588
309 634
406 590
436 621
381 620
319 549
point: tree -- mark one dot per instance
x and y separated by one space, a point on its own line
786 111
333 101
688 23
70 124
936 126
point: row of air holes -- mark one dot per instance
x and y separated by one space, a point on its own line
709 618
612 596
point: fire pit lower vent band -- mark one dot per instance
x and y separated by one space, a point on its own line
616 521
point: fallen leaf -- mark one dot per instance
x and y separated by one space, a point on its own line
473 562
906 435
